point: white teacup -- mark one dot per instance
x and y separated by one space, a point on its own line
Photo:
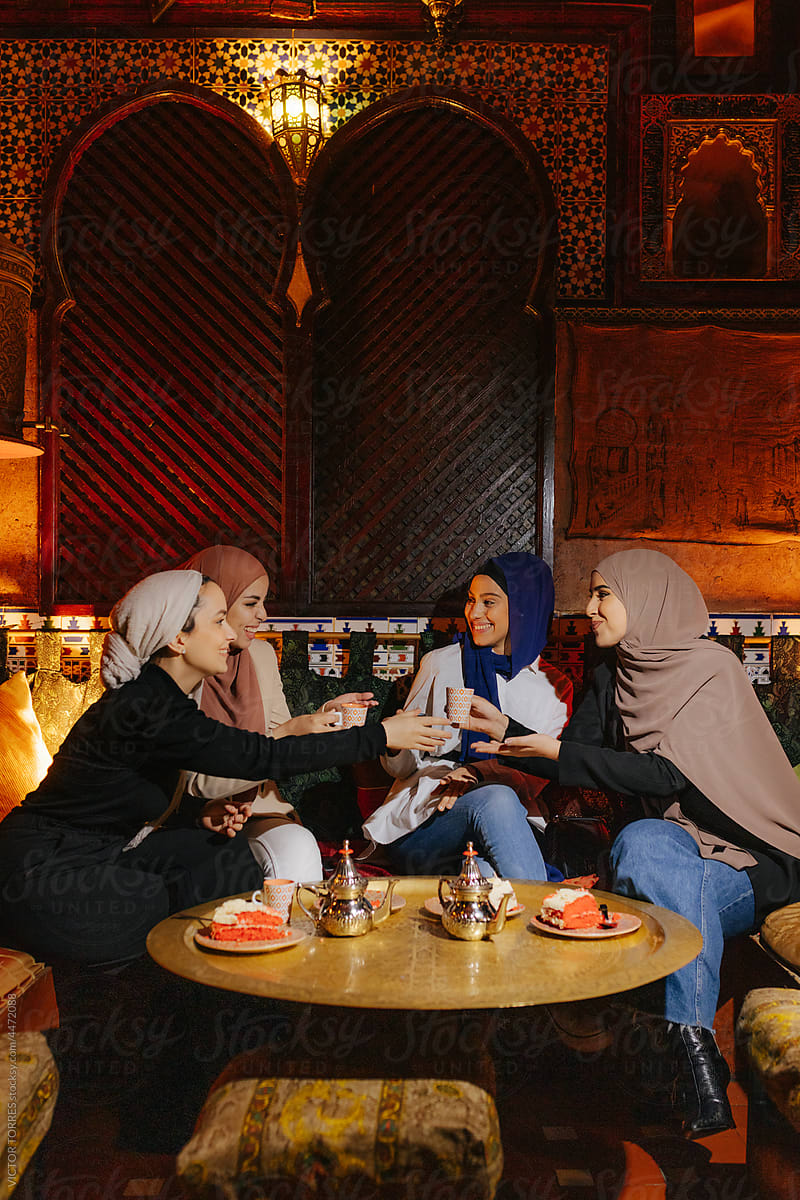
278 895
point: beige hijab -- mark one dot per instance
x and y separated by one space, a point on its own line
146 619
690 700
234 697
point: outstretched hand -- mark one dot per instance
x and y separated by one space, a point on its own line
335 705
227 817
452 786
409 731
317 722
532 745
484 717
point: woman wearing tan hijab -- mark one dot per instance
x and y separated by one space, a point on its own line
249 695
676 722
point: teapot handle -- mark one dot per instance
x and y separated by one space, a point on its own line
309 888
445 882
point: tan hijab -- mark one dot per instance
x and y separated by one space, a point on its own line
233 697
690 700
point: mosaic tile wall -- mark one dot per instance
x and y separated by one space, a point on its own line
397 640
555 94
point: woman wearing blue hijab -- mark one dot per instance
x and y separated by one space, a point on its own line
441 801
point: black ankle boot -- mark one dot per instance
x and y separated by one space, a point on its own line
703 1078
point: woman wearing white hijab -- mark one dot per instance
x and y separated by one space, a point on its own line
89 862
676 721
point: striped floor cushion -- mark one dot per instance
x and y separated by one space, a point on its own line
341 1138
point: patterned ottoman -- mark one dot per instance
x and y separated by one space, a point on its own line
780 933
769 1028
28 1091
304 1138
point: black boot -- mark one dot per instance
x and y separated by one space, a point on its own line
703 1077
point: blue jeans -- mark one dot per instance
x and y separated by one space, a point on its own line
492 818
659 861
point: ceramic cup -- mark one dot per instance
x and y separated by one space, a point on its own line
459 701
353 714
278 895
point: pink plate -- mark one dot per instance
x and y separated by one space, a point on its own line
208 943
433 906
626 923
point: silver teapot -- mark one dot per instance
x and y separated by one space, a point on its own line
344 910
467 913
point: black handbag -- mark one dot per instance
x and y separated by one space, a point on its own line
578 846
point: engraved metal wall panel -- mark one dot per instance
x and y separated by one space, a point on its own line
428 383
171 361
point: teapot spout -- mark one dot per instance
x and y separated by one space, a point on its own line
382 912
499 919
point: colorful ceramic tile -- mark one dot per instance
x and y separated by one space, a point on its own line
67 65
227 62
249 99
358 624
583 126
524 65
343 107
22 66
585 69
266 58
127 63
63 115
402 625
785 624
758 673
414 62
312 624
319 59
19 221
22 127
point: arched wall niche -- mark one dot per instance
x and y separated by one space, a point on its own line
429 230
721 217
167 245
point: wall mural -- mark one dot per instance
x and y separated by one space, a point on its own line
702 447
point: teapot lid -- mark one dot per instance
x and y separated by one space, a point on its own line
470 876
346 874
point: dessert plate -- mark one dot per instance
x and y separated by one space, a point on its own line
626 923
434 907
209 943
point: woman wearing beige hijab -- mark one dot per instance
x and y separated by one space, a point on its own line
249 695
675 721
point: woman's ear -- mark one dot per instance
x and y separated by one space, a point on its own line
178 644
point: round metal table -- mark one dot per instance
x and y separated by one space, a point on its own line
410 962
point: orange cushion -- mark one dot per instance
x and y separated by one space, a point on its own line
24 758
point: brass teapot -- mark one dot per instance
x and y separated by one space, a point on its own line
344 910
467 913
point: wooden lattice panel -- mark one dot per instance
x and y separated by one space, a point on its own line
172 358
427 407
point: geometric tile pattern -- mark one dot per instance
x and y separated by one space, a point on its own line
556 94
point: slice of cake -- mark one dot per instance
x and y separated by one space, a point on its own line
244 921
571 908
500 888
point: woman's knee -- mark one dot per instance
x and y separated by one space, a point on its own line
496 798
287 851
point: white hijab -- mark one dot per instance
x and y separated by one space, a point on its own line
145 620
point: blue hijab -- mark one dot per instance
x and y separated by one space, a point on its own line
528 583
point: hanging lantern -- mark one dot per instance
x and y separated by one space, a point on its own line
295 108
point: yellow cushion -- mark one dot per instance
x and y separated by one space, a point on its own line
780 932
344 1138
27 1066
57 701
23 755
769 1025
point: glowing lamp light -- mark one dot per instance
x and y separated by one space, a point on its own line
295 104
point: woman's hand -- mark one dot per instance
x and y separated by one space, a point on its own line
485 718
409 731
453 786
365 698
532 745
225 816
318 722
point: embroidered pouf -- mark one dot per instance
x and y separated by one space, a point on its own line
780 933
28 1091
342 1138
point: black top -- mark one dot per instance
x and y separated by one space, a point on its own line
118 766
593 755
